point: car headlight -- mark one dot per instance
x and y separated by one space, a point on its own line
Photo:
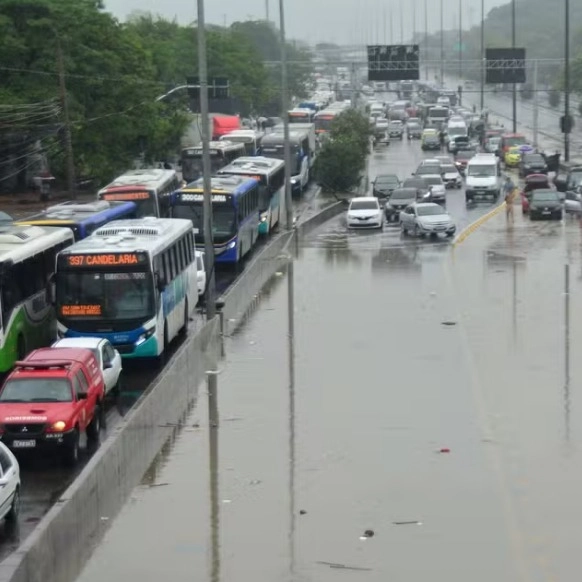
145 336
293 181
59 426
231 245
263 218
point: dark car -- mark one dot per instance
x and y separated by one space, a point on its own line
431 142
462 158
533 182
417 182
384 184
413 130
569 176
546 204
396 129
400 199
532 164
458 142
428 170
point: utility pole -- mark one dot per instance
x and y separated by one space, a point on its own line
442 46
71 178
482 55
267 16
514 89
401 22
413 21
206 168
285 105
566 122
426 51
460 39
535 104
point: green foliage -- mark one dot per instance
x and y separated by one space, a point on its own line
554 97
114 73
342 159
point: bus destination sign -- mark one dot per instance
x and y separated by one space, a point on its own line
105 260
81 310
216 198
126 196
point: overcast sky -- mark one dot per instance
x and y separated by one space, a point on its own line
341 21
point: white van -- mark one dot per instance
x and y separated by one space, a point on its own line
483 177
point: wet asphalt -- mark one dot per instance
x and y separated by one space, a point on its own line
424 395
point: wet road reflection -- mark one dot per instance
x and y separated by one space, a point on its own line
397 411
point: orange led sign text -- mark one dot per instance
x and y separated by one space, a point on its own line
80 310
126 196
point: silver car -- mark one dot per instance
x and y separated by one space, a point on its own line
426 218
438 192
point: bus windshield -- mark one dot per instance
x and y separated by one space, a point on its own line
323 123
105 296
278 153
223 219
145 201
192 166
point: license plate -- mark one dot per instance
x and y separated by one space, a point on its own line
546 212
27 444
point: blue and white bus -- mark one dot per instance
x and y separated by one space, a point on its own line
250 138
235 214
270 172
150 189
82 219
222 153
133 282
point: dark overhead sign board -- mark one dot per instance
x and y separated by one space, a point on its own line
504 65
393 62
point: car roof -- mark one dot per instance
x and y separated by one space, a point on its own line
427 205
387 176
365 198
78 342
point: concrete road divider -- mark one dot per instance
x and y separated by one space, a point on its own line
475 225
63 541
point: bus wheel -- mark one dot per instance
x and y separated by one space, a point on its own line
20 348
184 329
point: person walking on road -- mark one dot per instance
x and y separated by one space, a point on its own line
510 191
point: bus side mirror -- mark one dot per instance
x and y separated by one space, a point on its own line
160 283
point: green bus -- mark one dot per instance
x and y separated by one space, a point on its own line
27 267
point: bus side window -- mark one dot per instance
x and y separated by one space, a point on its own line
166 272
184 252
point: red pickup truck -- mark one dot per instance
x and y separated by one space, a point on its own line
49 399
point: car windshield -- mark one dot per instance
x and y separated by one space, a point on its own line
37 390
533 159
403 194
223 219
457 131
433 180
429 169
396 124
547 196
430 210
576 178
482 170
364 205
449 169
515 140
413 126
415 183
386 180
465 155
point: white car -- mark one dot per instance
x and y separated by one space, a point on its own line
365 212
9 485
436 186
426 218
201 273
573 202
106 355
451 176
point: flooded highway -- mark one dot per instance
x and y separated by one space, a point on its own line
394 409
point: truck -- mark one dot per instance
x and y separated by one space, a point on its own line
49 399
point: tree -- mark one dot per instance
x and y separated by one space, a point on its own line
341 162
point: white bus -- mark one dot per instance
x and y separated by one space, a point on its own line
27 265
250 138
270 172
133 282
150 189
222 153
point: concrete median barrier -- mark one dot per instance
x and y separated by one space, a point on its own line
64 539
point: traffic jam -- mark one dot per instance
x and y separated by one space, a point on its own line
462 151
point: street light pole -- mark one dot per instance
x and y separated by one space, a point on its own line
442 46
460 39
426 51
482 55
566 123
285 105
514 89
206 167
